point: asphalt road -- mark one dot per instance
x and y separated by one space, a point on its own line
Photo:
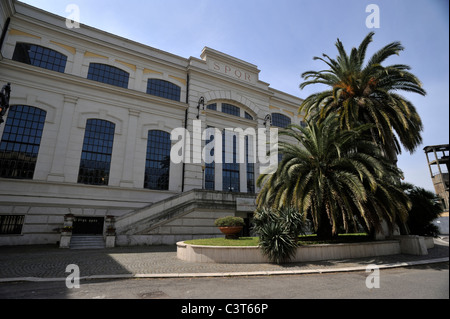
420 282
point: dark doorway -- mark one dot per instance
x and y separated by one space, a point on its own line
88 225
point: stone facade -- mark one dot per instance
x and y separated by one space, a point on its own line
70 99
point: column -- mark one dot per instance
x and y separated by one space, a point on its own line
62 140
130 150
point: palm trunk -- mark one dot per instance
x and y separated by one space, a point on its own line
324 229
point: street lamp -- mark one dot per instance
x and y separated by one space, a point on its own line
201 102
4 100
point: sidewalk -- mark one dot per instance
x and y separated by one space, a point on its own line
48 263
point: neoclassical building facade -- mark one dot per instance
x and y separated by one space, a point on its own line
89 134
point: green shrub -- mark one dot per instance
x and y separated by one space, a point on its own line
278 231
229 221
426 207
277 242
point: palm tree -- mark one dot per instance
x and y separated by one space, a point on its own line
338 178
368 94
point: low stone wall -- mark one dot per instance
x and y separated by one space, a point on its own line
252 255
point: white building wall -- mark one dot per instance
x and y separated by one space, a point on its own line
70 99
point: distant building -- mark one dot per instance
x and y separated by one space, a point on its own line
437 157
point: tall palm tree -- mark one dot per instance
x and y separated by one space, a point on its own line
338 178
367 93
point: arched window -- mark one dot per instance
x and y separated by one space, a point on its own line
39 56
97 151
280 120
157 165
21 140
231 109
212 106
164 89
108 74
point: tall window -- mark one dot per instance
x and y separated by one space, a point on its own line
108 74
97 150
210 168
231 109
20 143
164 89
280 120
249 151
230 170
157 166
39 56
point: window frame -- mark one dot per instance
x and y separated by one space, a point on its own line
108 74
97 151
281 120
164 89
152 151
21 139
34 54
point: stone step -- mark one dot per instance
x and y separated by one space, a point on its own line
87 242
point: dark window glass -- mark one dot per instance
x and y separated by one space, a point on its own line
212 107
108 74
97 151
249 151
164 89
231 109
248 116
280 120
210 168
230 179
40 57
11 224
20 143
157 166
303 124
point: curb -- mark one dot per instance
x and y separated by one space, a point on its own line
231 274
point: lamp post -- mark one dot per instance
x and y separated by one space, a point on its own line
4 100
201 102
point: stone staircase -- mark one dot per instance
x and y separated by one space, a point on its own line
183 216
87 242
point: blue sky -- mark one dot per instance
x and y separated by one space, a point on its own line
282 37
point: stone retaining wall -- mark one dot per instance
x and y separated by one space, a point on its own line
250 255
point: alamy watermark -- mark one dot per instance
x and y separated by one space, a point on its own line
73 19
373 19
373 280
232 145
73 280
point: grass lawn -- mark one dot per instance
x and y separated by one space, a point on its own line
243 241
303 240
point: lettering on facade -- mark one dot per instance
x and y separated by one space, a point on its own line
232 71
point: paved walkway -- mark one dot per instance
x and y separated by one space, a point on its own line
48 263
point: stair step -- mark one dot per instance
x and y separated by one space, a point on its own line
87 242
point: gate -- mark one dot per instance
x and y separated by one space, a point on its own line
88 225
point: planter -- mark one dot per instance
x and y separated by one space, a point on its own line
310 253
64 242
110 241
231 232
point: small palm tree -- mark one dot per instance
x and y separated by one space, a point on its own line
426 207
339 178
367 93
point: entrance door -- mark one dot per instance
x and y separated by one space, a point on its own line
88 225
